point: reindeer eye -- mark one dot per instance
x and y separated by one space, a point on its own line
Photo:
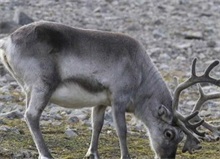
169 134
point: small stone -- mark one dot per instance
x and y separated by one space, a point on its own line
2 71
183 45
14 84
134 27
158 22
70 133
54 109
202 56
16 114
180 58
164 56
9 78
157 33
204 113
98 9
25 154
2 122
56 123
2 106
108 117
109 132
57 117
115 3
217 49
4 128
182 2
164 67
190 35
211 44
8 27
73 119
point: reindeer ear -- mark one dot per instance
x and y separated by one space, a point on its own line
164 113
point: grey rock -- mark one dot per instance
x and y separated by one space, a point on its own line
22 18
6 98
8 27
193 35
183 45
14 84
46 122
54 109
70 133
182 2
164 67
9 129
134 27
164 57
216 50
204 113
2 70
158 33
108 116
73 119
81 114
2 106
16 114
2 122
57 117
5 128
211 44
9 78
25 154
56 123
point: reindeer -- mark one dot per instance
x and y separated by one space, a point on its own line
77 68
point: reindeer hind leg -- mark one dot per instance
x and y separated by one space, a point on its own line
38 100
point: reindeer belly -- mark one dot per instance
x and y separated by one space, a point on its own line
74 96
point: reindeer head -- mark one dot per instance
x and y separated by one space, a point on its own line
167 127
164 137
163 133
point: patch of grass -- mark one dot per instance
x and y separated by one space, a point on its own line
61 147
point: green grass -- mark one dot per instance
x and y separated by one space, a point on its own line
62 147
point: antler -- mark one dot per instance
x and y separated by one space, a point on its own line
202 99
183 122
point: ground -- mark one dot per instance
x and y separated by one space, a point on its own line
12 143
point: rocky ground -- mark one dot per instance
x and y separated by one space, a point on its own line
172 31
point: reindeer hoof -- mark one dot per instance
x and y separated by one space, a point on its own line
43 157
91 156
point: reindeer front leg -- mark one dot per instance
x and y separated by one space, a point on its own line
118 110
36 104
98 113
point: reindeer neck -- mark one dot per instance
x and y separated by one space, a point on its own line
153 91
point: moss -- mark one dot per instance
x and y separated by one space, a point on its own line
62 147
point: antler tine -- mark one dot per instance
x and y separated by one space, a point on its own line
203 98
194 67
192 127
210 68
192 143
